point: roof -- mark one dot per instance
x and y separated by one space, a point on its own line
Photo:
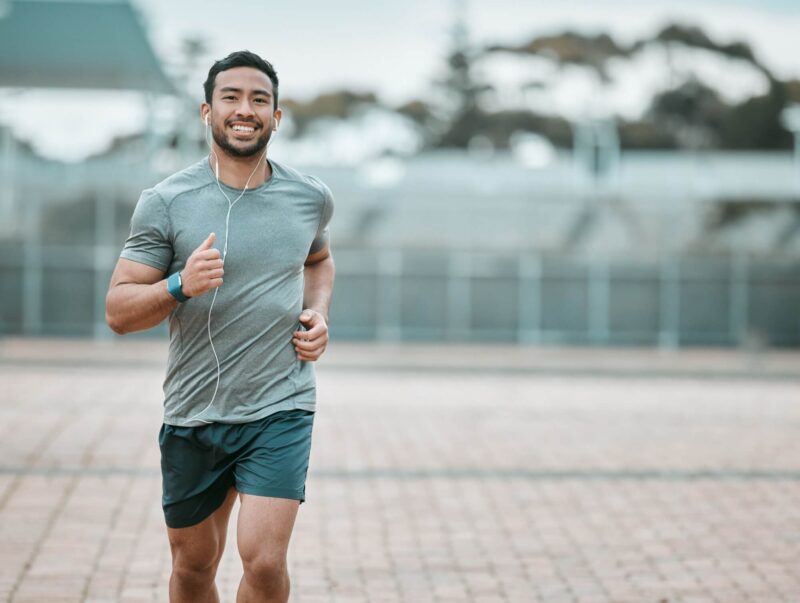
99 44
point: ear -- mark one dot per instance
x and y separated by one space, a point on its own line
205 112
277 116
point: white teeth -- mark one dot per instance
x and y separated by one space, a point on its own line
243 129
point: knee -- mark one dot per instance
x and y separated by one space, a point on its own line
265 571
196 565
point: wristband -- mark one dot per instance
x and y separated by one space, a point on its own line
174 286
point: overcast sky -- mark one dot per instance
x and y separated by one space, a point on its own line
396 48
393 48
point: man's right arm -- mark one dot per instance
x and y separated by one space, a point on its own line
138 297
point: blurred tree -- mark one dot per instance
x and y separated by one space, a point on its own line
793 91
695 117
692 115
340 104
418 110
694 36
463 119
571 47
193 48
459 83
422 113
645 135
756 123
692 112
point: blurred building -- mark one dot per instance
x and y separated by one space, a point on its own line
98 45
590 244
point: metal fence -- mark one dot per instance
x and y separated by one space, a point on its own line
417 295
676 301
60 237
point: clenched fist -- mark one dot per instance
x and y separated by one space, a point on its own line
203 270
311 343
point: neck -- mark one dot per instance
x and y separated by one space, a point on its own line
235 171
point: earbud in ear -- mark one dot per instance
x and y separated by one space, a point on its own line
275 127
206 119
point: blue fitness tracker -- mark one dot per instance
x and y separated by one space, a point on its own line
174 285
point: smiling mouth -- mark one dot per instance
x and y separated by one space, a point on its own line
243 130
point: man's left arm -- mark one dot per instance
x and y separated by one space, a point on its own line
319 273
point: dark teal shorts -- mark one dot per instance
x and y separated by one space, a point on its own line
268 457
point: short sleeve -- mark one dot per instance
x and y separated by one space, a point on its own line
150 241
322 237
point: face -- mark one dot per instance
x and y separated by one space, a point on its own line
240 114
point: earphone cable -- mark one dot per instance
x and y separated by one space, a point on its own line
224 254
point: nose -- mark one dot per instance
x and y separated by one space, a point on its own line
245 108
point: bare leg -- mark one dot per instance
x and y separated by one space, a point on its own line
196 552
265 526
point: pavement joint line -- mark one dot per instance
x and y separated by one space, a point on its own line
49 436
710 374
103 546
49 524
645 474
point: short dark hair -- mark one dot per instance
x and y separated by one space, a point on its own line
242 58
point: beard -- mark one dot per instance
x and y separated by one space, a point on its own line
232 149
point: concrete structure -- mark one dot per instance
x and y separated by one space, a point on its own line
97 44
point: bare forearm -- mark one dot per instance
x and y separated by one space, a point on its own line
136 307
318 290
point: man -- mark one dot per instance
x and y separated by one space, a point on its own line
245 325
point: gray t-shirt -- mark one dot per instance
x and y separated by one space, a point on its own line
272 230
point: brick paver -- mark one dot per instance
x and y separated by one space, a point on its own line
504 475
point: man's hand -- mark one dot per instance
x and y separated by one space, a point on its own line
203 270
310 344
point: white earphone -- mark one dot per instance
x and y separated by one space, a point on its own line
223 256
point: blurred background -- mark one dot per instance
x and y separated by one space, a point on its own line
543 179
604 173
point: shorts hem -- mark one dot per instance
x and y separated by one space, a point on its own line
177 523
289 493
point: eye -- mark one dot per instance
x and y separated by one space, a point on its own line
262 101
229 97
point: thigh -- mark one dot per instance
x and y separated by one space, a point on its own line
201 545
265 526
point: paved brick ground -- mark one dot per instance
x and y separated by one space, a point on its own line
588 476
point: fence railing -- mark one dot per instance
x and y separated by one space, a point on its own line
414 295
529 298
